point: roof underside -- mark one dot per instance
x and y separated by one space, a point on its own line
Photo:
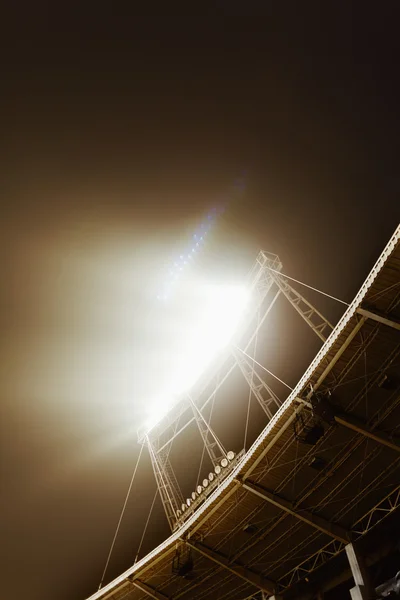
301 516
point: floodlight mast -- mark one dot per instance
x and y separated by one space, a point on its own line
212 444
265 284
167 483
265 396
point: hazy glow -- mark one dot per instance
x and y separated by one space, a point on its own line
217 312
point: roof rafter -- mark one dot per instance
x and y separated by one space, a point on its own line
150 591
331 529
358 426
379 318
256 579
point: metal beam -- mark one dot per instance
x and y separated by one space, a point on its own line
339 353
379 318
150 591
222 380
167 484
271 443
331 529
248 575
261 390
212 444
356 425
306 310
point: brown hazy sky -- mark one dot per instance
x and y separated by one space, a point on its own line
118 133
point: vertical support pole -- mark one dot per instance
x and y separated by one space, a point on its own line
167 484
360 575
214 447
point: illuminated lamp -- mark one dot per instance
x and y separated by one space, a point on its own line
224 463
199 489
205 483
194 495
230 456
217 469
222 308
183 507
210 477
188 502
178 513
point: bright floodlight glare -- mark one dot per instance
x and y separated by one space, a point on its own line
217 469
216 311
210 477
230 455
224 463
183 507
220 312
205 483
199 489
193 495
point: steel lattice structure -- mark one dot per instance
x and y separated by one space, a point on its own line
323 473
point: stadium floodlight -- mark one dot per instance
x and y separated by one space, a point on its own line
230 456
199 489
178 513
210 477
188 502
215 312
183 507
194 495
219 311
217 469
224 463
205 483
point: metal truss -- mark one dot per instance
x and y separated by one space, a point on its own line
168 486
267 399
306 310
332 529
212 444
264 275
378 512
210 488
248 575
148 590
374 516
260 283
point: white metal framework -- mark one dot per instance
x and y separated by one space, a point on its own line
266 283
302 517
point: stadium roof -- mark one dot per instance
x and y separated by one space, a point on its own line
300 493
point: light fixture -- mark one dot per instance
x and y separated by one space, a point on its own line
224 463
217 469
193 495
199 489
183 507
178 513
205 483
188 502
230 456
210 477
218 312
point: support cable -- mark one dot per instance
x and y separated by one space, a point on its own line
121 516
308 286
145 527
251 384
204 446
265 369
152 454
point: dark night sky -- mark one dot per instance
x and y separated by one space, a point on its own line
117 134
